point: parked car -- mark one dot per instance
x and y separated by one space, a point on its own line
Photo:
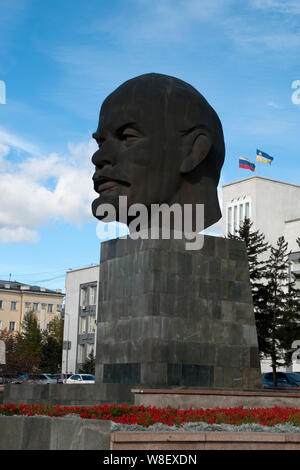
61 378
40 378
81 379
11 378
295 376
284 379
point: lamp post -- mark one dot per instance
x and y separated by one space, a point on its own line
67 342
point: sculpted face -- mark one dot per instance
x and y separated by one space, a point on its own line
150 146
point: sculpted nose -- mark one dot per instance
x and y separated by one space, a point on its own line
102 159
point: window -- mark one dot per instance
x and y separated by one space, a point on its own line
50 308
0 324
247 210
35 307
92 324
13 305
82 325
1 304
93 293
229 220
83 297
89 349
27 307
235 222
76 377
241 214
80 358
12 326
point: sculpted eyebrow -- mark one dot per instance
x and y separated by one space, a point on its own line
128 124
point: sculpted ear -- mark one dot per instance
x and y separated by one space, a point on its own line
200 146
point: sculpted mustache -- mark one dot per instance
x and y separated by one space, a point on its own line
117 177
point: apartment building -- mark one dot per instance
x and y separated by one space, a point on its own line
274 209
16 299
80 317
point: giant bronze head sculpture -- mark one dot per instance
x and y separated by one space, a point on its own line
159 142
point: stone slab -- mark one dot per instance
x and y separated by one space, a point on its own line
68 394
47 433
204 441
171 317
184 399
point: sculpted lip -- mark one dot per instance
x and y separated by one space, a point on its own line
104 183
106 186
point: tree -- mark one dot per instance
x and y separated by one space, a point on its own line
17 359
278 308
9 339
89 366
256 247
52 345
30 339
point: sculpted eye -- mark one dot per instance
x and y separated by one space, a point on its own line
129 135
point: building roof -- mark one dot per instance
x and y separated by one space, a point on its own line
14 285
261 178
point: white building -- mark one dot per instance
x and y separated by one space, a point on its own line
80 317
273 207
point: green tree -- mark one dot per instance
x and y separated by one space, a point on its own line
52 345
278 309
89 366
256 247
29 343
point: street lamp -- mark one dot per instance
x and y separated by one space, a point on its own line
67 342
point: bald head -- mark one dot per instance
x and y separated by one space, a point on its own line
159 142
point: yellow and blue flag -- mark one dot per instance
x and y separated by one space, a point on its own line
263 157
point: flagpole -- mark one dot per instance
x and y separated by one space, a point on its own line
256 166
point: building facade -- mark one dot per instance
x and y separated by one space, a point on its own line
17 299
80 317
274 209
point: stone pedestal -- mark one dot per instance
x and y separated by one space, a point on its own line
169 317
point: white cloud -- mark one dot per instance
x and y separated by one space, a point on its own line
280 6
43 188
18 235
273 104
11 140
4 150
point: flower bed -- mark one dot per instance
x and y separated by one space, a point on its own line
147 416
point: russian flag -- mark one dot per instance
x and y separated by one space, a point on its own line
246 164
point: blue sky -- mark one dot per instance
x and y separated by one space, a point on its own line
59 60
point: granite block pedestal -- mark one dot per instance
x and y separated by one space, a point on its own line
168 317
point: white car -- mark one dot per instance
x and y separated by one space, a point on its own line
81 379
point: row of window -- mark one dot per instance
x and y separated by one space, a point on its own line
12 326
235 216
87 324
88 295
83 352
31 306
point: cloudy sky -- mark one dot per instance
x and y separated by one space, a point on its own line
59 60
